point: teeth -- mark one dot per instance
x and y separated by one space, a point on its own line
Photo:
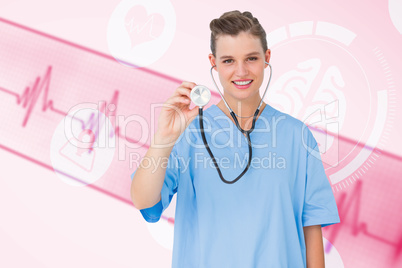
242 83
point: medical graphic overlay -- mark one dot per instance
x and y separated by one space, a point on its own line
83 152
48 81
140 31
341 86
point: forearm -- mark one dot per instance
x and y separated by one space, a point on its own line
314 246
148 179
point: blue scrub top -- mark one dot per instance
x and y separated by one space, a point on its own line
257 221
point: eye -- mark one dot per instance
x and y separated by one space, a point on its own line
228 61
252 58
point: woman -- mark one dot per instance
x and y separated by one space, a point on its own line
272 216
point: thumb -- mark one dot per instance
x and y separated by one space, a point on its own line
192 114
194 111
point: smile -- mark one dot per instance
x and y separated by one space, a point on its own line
243 83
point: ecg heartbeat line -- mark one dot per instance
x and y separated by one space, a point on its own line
351 218
148 25
31 95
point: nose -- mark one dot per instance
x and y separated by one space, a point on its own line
241 69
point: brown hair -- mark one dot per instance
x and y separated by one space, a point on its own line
234 22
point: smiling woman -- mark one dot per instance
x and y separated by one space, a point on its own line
240 62
273 216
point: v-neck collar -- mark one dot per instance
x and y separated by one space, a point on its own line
216 111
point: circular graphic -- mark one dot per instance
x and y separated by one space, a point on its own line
334 82
332 257
139 32
395 12
83 146
163 230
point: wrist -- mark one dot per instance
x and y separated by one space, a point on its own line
161 140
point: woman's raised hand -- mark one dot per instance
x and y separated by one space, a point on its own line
176 114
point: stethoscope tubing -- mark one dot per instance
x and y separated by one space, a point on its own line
247 132
212 156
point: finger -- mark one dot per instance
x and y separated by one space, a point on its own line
183 91
188 84
194 112
178 100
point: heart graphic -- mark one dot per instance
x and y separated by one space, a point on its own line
142 27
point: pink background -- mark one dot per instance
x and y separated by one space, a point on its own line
47 223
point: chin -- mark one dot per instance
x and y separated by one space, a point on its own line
241 95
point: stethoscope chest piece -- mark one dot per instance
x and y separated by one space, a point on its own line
200 95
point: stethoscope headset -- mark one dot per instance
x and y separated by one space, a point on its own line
201 95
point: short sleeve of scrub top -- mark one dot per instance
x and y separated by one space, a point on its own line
169 188
319 206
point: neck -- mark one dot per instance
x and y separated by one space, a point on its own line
244 108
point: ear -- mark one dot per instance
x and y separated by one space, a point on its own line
212 60
267 56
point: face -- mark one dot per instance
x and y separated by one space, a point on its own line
240 62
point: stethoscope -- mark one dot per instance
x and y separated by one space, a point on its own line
201 95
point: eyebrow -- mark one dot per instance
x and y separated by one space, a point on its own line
249 54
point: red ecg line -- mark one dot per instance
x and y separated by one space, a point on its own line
30 96
349 209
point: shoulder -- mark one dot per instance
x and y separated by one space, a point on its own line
288 126
285 120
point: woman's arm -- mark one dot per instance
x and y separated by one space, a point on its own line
149 178
314 246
